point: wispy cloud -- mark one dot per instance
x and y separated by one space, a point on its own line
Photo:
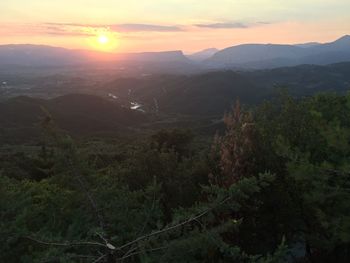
228 25
144 27
223 25
61 31
123 28
85 30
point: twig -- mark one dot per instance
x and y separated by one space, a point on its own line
142 251
100 236
100 258
67 244
132 249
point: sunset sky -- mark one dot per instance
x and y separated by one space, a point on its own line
153 25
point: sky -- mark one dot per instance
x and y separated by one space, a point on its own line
158 25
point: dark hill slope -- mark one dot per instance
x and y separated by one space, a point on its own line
204 94
213 93
305 80
76 113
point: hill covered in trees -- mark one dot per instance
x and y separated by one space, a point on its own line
213 93
76 113
108 105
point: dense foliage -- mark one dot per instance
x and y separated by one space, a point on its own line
274 187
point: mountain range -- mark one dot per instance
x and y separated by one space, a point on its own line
203 55
247 56
257 56
38 55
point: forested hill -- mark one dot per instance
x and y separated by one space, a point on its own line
213 93
77 113
168 99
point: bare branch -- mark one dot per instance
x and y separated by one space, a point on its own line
100 258
142 251
100 236
66 244
131 250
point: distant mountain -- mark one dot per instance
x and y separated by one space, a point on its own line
76 113
203 55
166 56
306 45
255 56
304 80
248 56
342 44
37 55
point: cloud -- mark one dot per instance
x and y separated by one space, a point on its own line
144 27
223 25
121 27
264 23
228 25
61 31
70 24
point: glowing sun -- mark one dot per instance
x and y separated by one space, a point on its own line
103 39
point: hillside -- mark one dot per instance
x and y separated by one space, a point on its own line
213 93
209 93
75 113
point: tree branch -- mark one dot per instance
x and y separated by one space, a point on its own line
142 251
67 244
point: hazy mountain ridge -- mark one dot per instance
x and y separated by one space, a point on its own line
309 44
246 56
203 55
40 55
257 56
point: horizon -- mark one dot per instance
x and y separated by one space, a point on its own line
140 26
175 50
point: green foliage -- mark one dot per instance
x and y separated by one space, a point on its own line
177 140
276 192
312 138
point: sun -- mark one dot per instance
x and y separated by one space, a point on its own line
103 39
